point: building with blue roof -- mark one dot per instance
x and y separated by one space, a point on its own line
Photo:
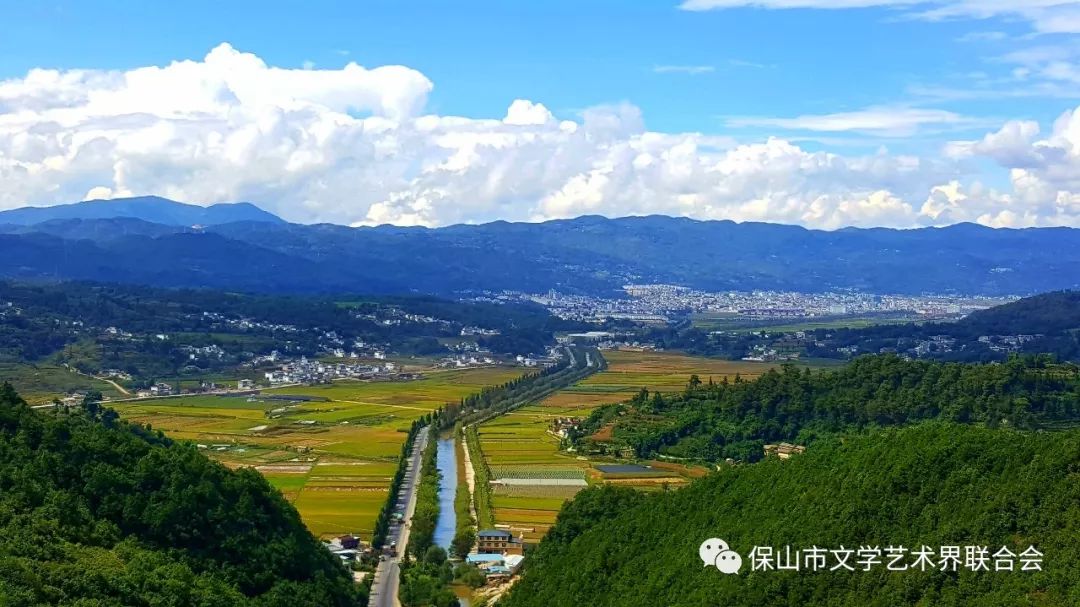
486 558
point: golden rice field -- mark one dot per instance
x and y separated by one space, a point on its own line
518 444
332 459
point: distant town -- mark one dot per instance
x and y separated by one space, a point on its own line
664 303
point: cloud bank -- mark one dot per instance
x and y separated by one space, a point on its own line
355 146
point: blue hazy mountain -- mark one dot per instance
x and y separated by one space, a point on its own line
593 255
151 209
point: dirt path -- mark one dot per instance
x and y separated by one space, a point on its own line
118 387
112 383
470 478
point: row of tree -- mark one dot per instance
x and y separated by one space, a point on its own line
425 516
485 513
497 400
386 513
465 524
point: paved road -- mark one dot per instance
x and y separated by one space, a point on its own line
384 590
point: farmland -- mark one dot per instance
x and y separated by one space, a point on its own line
726 321
332 456
518 445
41 383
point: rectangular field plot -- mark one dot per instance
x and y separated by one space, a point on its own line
537 472
540 457
556 493
536 505
541 482
628 470
335 511
526 516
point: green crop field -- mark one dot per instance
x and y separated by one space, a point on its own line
518 444
334 458
551 496
536 472
529 502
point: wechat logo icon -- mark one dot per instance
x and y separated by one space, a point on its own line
715 552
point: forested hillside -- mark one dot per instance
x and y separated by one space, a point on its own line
935 484
93 327
97 512
1048 323
712 421
1046 313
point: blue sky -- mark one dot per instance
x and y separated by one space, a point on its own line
568 55
897 76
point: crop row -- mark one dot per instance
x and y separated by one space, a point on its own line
537 491
536 472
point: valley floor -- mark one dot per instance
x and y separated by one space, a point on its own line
332 456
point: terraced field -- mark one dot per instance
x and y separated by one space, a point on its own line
518 445
333 457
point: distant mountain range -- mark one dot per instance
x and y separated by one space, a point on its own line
241 247
152 209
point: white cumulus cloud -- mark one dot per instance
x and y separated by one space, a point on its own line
881 120
691 70
355 145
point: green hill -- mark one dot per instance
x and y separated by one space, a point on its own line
1048 323
1047 314
712 421
95 512
934 484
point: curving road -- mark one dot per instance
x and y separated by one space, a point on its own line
384 589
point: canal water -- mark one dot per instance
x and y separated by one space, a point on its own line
447 463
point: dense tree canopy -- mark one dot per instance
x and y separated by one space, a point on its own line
933 484
97 512
712 421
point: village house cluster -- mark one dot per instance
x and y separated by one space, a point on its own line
463 361
943 344
247 324
304 371
1007 343
9 310
771 353
213 351
563 427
